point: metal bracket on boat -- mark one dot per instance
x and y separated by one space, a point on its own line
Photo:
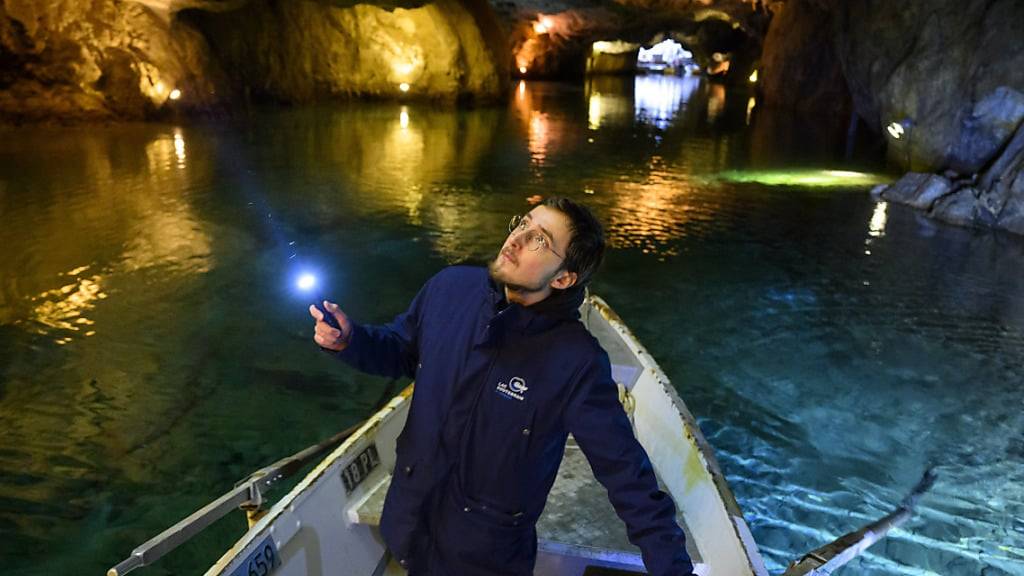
178 534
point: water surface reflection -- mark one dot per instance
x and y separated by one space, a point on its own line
153 353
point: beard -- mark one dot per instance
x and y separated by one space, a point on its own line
500 277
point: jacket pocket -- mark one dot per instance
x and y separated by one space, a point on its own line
402 524
499 473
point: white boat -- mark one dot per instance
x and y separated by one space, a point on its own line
327 525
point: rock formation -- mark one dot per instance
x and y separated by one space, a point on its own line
99 59
553 39
941 81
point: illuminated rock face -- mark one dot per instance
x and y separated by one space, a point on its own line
301 51
99 59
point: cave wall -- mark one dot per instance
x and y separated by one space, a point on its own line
98 59
300 51
111 59
954 68
951 71
940 81
800 69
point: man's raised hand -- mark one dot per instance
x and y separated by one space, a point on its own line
325 335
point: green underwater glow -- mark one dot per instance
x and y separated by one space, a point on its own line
805 177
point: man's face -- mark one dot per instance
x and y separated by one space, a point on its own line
533 273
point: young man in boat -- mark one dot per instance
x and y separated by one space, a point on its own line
504 371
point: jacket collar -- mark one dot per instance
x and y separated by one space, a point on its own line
560 306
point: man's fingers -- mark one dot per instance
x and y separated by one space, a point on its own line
335 310
324 334
325 330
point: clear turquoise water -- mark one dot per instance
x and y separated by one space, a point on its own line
152 351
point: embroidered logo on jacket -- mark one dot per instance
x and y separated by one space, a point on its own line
514 389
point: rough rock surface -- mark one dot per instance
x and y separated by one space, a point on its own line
301 51
953 69
995 198
97 59
799 65
950 73
103 59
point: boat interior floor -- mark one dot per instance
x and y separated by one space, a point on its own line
578 534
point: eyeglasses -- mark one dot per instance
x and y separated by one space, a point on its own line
534 240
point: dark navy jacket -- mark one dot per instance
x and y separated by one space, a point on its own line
498 389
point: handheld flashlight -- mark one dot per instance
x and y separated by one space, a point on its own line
306 282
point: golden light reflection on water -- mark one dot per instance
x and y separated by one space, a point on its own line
128 213
402 159
64 308
539 138
607 102
594 110
653 214
179 147
166 151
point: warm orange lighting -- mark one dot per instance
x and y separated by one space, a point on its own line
404 86
175 94
543 25
539 136
522 69
753 76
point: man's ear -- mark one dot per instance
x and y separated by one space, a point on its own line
565 279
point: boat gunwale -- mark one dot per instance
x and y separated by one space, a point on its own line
704 448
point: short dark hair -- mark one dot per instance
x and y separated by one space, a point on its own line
586 246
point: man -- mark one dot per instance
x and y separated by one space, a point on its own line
504 372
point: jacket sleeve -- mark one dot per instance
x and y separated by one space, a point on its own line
391 349
597 421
